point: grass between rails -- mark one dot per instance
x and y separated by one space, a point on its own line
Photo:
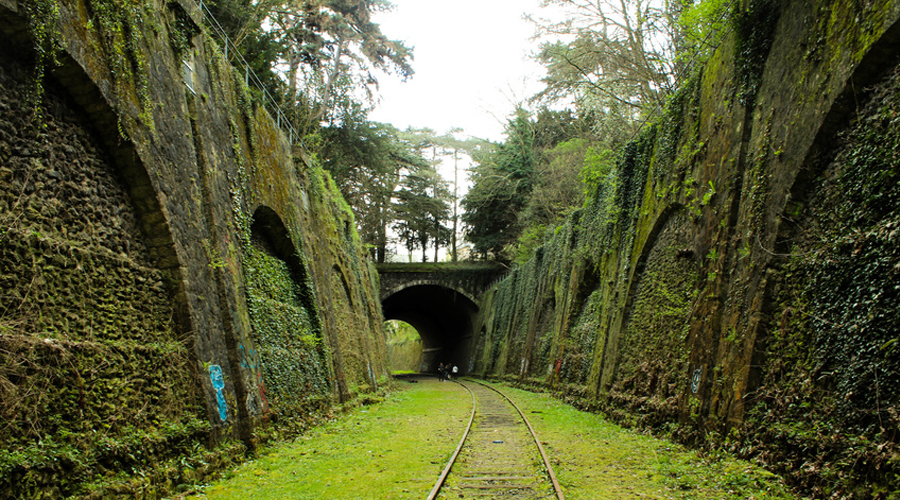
396 450
595 459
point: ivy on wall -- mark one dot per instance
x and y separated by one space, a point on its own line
291 351
753 22
101 393
94 378
697 327
832 382
655 351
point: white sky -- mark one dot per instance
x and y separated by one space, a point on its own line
471 67
471 64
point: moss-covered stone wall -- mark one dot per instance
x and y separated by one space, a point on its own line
91 362
733 281
179 281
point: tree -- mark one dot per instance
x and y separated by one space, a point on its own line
367 162
421 210
241 21
558 189
489 213
561 141
327 52
528 184
446 148
700 26
617 63
502 182
332 50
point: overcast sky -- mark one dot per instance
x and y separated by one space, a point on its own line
471 64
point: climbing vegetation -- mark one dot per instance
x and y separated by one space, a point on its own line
294 370
833 358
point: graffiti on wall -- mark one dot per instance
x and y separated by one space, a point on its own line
249 361
218 383
256 395
695 380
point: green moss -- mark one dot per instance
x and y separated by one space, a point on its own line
119 25
753 22
831 378
43 23
375 451
80 417
853 29
290 351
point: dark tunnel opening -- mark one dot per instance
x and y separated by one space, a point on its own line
444 319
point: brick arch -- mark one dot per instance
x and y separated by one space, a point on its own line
152 217
111 294
444 318
268 227
667 262
469 279
387 293
68 78
440 300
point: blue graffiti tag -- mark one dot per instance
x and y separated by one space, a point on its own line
248 362
218 383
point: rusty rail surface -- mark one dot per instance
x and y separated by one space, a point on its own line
440 482
462 441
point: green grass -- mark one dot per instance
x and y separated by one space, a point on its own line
595 459
395 449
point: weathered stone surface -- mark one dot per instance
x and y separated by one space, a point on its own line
742 293
127 212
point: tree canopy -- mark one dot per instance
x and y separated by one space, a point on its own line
422 210
609 65
321 57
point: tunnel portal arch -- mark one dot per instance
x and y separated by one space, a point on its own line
444 318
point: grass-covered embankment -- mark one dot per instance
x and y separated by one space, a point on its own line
595 459
396 449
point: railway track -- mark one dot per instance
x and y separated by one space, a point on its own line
499 455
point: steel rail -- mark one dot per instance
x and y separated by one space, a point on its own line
556 487
443 477
462 441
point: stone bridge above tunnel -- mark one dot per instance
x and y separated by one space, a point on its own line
440 300
468 278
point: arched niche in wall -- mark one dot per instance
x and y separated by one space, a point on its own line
288 351
91 298
443 317
833 278
269 234
651 350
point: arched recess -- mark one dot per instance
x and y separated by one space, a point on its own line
289 368
444 319
404 347
425 282
67 77
881 57
835 255
268 232
100 306
644 358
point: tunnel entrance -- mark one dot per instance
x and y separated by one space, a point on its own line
443 318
